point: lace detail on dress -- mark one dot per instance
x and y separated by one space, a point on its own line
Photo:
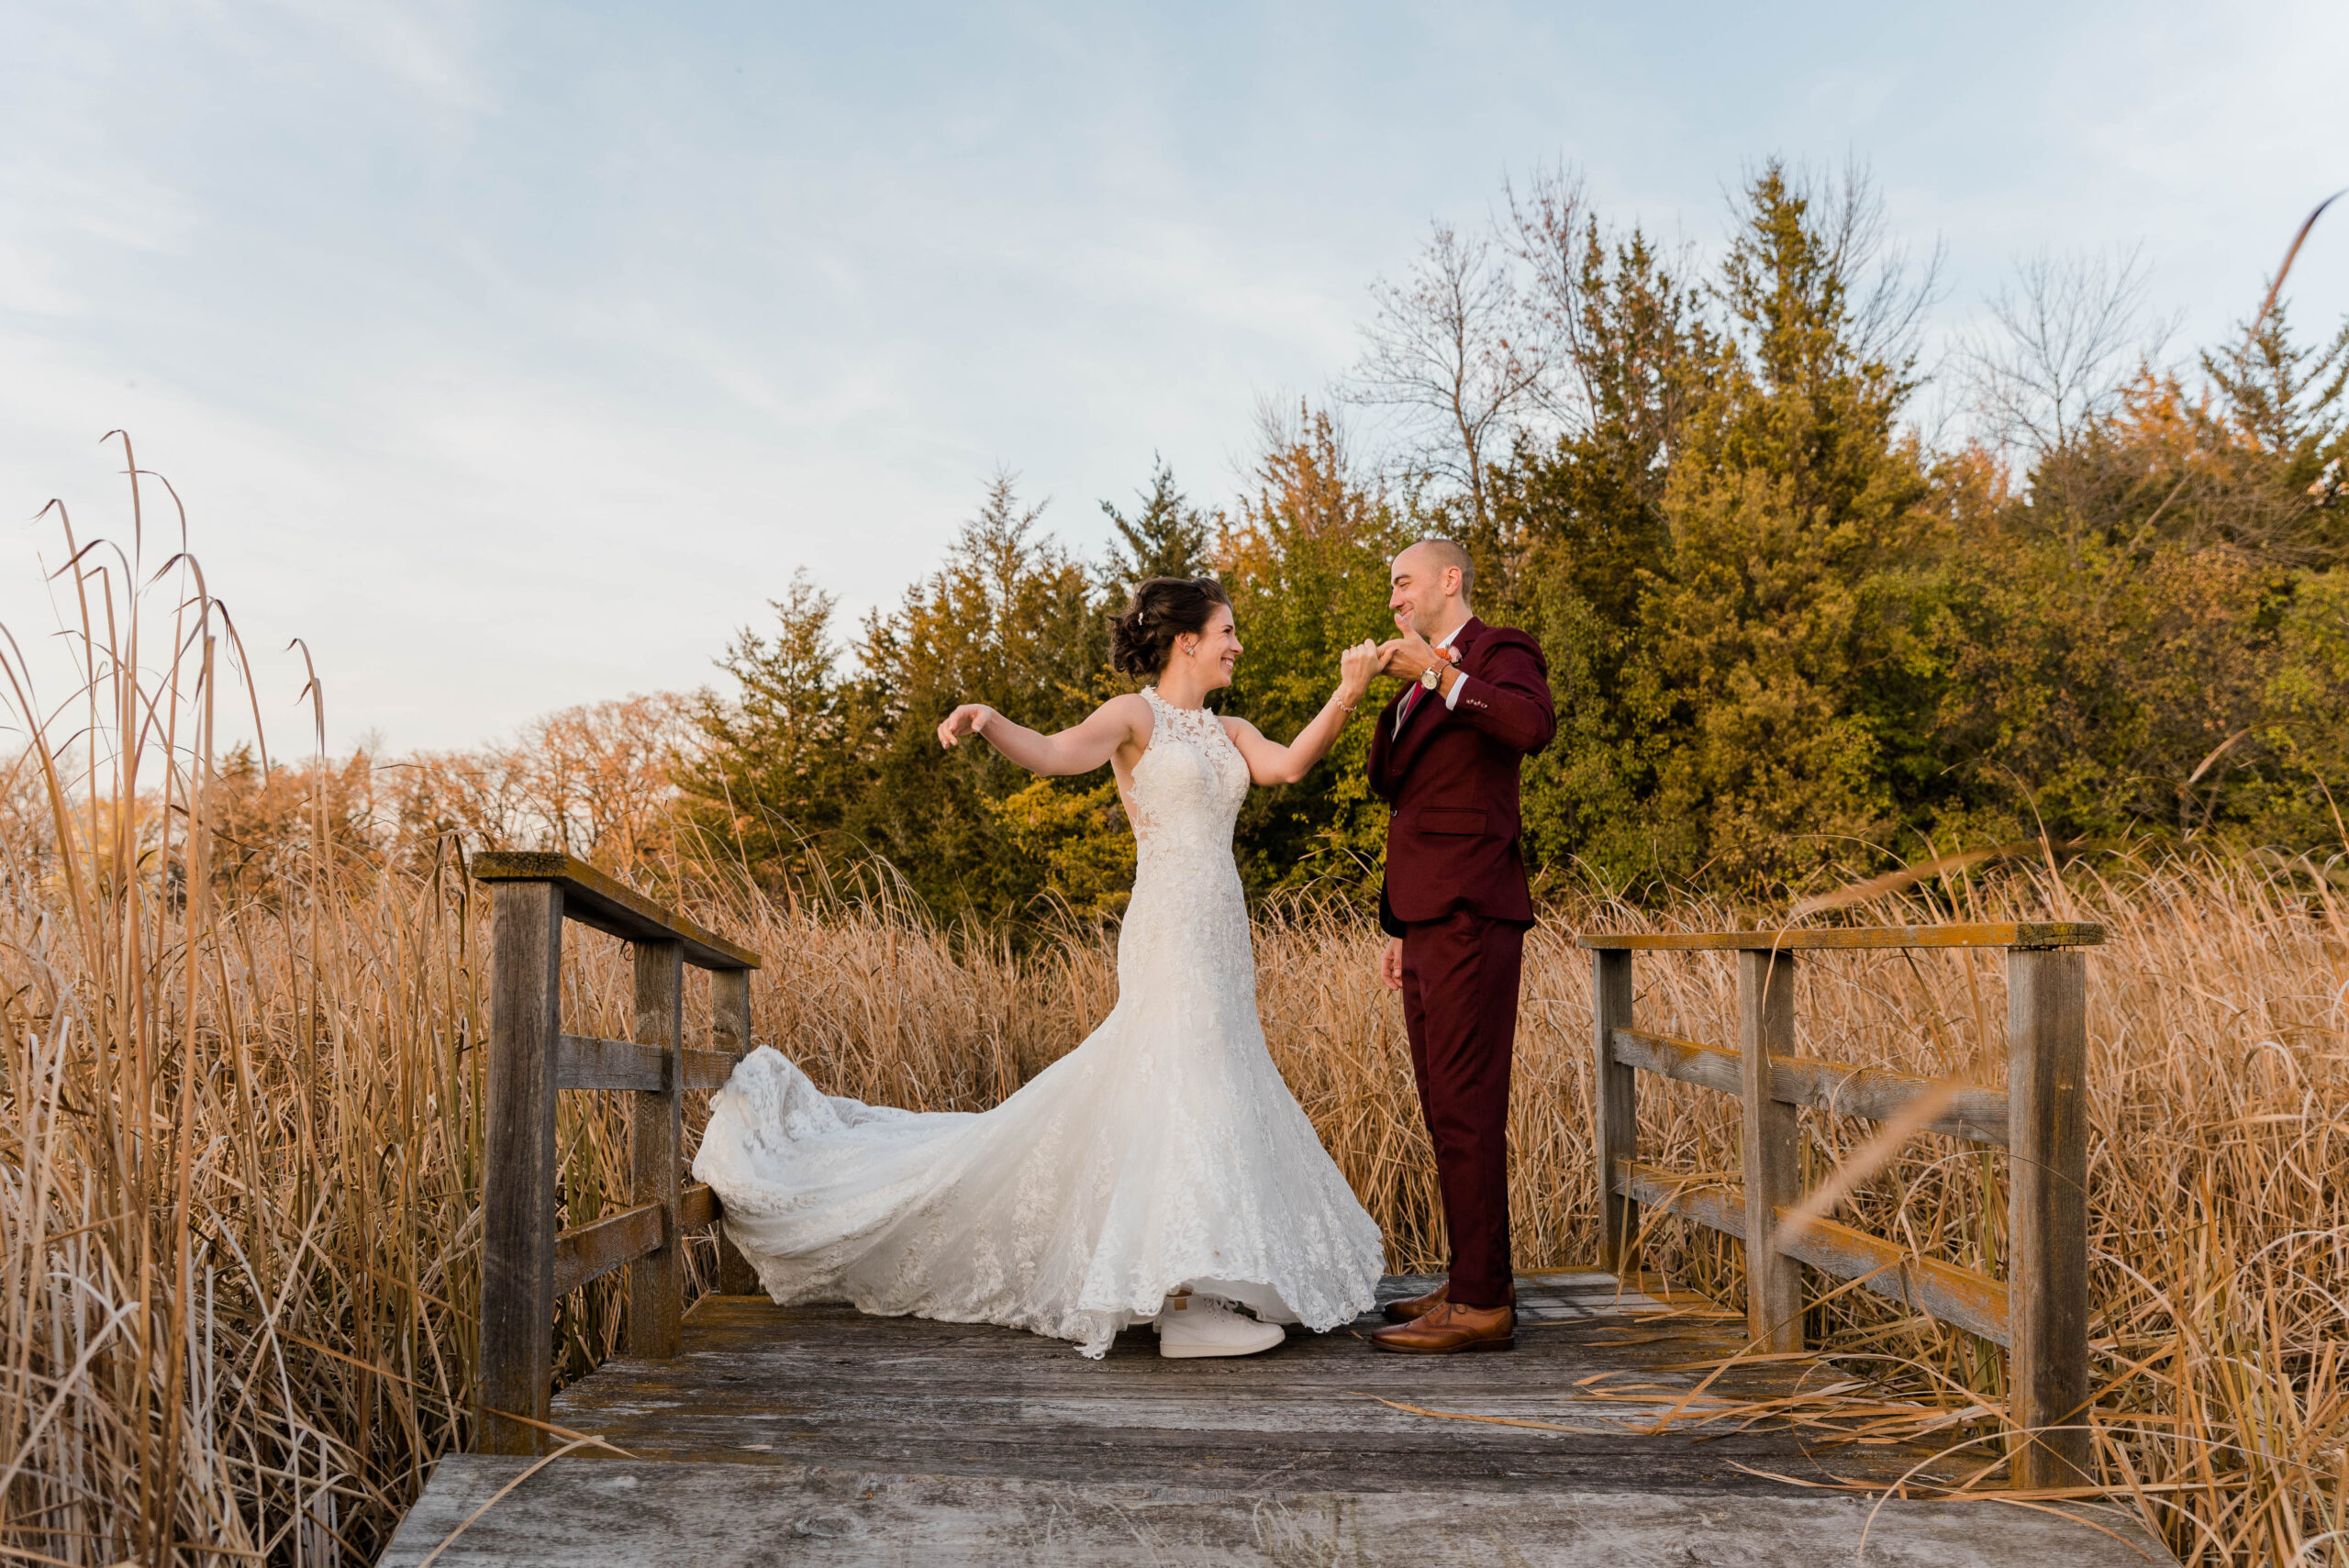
1194 765
1165 1150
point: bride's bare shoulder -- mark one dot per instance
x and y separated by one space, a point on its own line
1131 712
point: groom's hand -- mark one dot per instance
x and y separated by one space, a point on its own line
1390 964
1408 656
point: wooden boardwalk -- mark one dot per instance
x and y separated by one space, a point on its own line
818 1436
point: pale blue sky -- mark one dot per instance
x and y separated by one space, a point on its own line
458 325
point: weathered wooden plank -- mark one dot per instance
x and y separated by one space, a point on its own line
1976 1113
1999 934
593 899
656 1142
768 1390
1602 1447
759 1384
1046 1438
2047 1215
1719 1204
1943 1291
606 1513
1765 1028
729 1011
697 1205
586 1062
1682 1061
518 1253
583 1061
1616 1129
941 1425
594 1249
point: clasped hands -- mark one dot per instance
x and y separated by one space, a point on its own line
1409 656
1404 657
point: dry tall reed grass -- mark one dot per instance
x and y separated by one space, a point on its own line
240 1139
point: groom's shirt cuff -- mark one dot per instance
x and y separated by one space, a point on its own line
1452 697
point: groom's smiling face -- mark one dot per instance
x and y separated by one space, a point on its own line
1428 590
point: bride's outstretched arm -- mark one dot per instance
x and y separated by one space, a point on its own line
1270 762
1078 749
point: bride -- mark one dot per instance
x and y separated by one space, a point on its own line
1161 1171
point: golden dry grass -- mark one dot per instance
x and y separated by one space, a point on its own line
240 1256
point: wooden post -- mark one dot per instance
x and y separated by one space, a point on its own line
656 1281
1617 1090
2047 1217
517 1186
729 1031
729 1011
1766 1028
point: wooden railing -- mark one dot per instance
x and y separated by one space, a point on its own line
527 1266
2039 1313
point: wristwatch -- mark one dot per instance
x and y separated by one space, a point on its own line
1428 677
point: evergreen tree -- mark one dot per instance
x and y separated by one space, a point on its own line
1584 521
781 761
1307 568
1009 620
1168 538
1790 501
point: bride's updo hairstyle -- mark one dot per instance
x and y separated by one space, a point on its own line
1142 639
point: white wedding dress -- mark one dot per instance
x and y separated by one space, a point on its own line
1163 1152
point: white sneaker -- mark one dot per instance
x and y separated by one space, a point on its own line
1195 1326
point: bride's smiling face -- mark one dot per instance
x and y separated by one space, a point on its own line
1209 653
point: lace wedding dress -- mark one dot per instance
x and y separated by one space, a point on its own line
1164 1151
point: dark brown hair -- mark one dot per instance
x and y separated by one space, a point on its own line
1142 639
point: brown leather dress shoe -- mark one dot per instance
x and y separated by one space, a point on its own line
1412 1306
1449 1328
1420 1305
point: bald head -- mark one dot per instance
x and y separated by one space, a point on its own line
1432 581
1438 554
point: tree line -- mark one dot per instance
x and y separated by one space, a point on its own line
1811 605
1789 629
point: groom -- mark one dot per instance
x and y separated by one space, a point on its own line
1475 703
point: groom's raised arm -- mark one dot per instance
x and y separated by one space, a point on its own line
1508 697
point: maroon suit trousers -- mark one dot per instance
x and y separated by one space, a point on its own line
1460 978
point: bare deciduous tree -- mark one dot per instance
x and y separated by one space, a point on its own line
1552 230
1889 296
1620 324
593 781
2064 334
1454 348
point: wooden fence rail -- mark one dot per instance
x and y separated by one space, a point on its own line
525 1264
2039 1313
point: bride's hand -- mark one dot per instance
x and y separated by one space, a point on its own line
971 718
1356 665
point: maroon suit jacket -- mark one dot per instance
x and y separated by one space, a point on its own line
1451 781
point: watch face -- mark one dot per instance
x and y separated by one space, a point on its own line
1427 677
